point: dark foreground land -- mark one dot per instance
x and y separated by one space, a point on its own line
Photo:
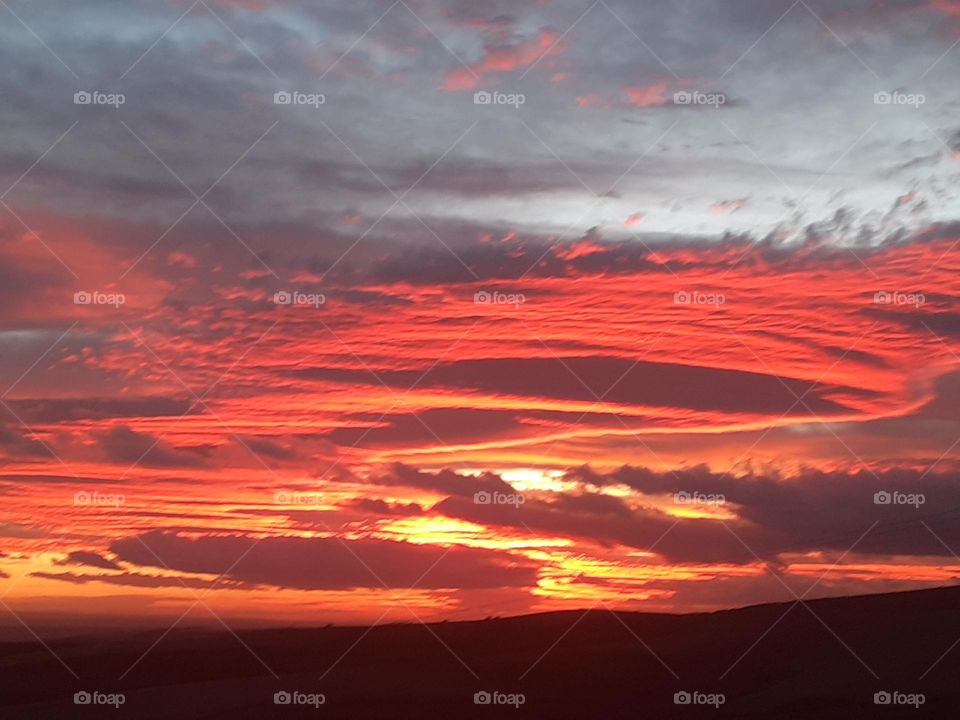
818 661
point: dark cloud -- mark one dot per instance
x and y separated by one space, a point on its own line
449 426
53 410
122 444
945 324
91 559
607 521
327 563
815 511
270 448
640 382
221 100
15 440
61 479
380 507
132 580
444 481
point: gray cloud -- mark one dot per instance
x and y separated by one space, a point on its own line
815 511
327 563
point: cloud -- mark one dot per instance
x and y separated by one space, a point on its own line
327 563
445 481
503 58
121 444
21 530
947 7
640 383
445 425
405 373
54 410
92 559
812 512
643 96
19 441
377 506
129 579
653 95
723 207
606 520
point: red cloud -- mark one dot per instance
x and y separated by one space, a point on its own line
504 58
594 101
647 95
640 96
403 365
948 7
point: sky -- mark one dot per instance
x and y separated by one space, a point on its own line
366 312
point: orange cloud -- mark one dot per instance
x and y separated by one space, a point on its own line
221 414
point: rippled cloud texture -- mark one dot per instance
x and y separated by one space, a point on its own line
342 313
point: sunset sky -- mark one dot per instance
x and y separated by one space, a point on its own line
701 247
